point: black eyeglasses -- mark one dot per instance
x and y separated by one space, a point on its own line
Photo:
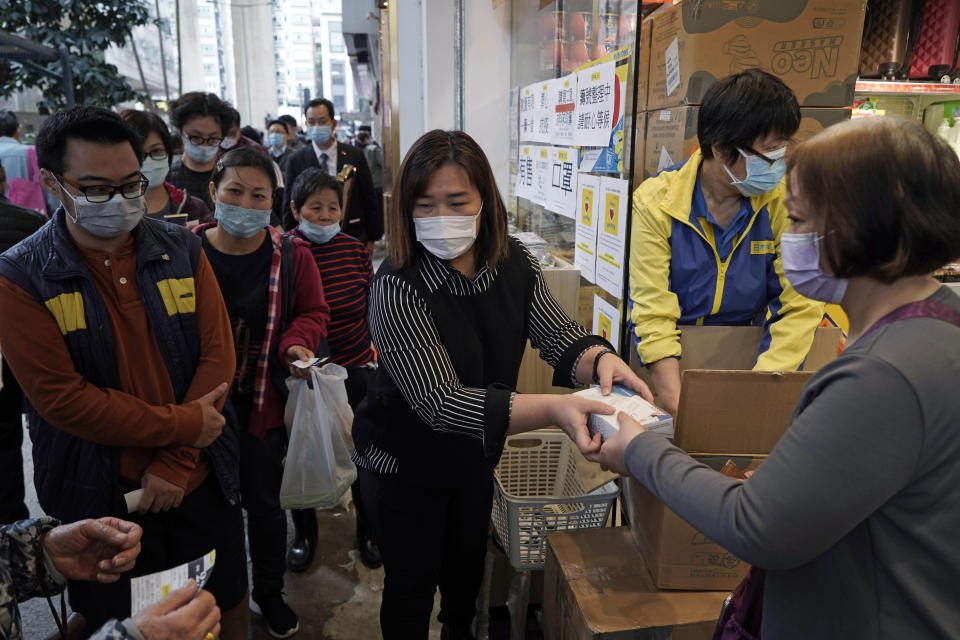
212 141
158 154
100 193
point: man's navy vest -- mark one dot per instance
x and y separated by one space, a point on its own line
76 478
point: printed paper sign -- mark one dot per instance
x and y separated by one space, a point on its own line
544 113
673 66
585 247
525 171
152 588
561 198
609 157
596 114
542 175
563 101
612 235
514 114
528 113
606 321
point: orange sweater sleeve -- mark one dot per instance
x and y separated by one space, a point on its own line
217 364
37 354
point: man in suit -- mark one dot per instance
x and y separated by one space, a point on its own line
361 219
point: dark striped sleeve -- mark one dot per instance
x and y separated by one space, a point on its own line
409 349
559 339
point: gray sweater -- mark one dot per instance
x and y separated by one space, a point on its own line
856 513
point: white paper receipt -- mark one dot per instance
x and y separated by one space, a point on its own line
622 399
150 589
305 364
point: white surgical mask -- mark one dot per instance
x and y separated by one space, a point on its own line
109 219
228 143
155 171
199 153
447 237
801 266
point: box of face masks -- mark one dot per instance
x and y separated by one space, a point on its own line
622 399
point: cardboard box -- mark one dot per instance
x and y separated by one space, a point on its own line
738 415
643 67
596 587
812 45
672 133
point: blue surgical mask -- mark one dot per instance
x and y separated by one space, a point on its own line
240 222
199 153
155 171
275 140
320 134
762 177
319 233
801 266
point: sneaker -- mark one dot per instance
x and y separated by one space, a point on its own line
280 619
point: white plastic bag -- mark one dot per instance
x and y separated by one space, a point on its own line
318 469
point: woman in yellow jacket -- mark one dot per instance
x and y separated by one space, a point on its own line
705 241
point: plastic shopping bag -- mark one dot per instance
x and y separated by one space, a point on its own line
318 469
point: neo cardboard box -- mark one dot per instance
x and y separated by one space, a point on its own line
812 45
722 415
596 587
672 133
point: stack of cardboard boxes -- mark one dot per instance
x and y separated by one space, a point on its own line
812 45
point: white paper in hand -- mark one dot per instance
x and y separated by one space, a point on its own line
133 500
622 399
152 588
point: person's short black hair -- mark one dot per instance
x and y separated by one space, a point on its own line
311 181
321 102
83 122
282 123
233 117
245 157
197 104
254 134
145 123
8 123
745 106
290 121
365 127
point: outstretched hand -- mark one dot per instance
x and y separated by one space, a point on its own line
97 550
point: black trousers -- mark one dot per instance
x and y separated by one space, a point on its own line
428 537
261 472
12 506
305 520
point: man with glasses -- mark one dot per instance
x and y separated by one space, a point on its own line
115 327
202 120
705 240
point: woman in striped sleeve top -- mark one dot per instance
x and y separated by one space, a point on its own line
451 311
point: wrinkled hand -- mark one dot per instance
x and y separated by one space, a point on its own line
180 616
612 370
570 412
612 451
298 352
213 420
158 494
97 550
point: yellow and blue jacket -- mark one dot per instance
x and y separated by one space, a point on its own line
684 270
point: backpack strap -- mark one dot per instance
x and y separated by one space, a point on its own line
919 309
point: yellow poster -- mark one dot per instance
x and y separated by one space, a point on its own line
611 216
604 326
586 207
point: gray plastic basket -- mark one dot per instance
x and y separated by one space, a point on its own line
537 490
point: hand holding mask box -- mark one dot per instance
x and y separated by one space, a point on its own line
622 399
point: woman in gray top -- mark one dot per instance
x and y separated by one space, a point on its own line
855 514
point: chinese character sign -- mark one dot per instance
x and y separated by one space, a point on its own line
525 171
595 114
585 249
563 92
528 113
561 197
612 235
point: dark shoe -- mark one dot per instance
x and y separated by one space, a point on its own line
456 632
300 556
280 619
369 553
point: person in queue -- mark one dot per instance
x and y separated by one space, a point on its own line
450 314
346 271
37 557
361 218
115 328
202 120
247 256
164 200
278 142
705 241
866 539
